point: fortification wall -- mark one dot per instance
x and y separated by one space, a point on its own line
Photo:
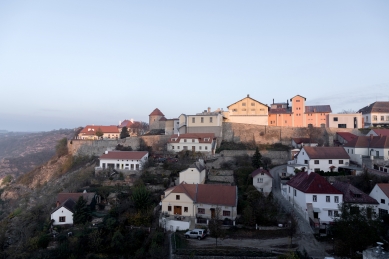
277 157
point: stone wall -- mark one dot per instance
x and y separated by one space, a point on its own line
277 157
222 176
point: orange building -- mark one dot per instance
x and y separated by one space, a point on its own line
298 114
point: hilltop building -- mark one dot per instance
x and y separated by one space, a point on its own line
376 115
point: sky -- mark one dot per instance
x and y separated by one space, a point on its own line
65 64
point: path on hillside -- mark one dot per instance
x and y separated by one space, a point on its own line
304 232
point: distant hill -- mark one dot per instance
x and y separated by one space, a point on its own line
3 131
21 152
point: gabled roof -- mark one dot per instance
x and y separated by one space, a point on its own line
248 98
259 171
318 109
385 188
312 183
352 194
223 195
133 155
298 96
68 204
163 118
280 111
326 152
202 137
126 123
91 129
301 140
376 107
63 196
382 132
347 136
369 142
156 112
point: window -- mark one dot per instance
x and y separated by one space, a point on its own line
252 104
330 161
336 213
374 117
261 189
234 110
62 219
382 212
261 180
342 126
316 162
177 197
184 140
341 162
382 118
336 199
330 213
295 192
305 161
178 147
210 119
297 101
328 199
200 147
200 211
206 148
202 119
314 198
169 208
226 213
367 118
193 140
172 147
193 120
289 189
335 118
185 209
383 201
185 147
243 104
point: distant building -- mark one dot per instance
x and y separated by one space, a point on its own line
342 138
262 181
171 126
380 192
195 174
123 160
355 197
205 122
195 142
376 115
302 142
345 120
89 132
298 114
377 146
378 132
157 120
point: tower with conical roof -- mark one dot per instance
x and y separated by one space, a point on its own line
157 120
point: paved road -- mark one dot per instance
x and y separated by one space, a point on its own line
304 231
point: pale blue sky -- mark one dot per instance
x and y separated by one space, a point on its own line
65 64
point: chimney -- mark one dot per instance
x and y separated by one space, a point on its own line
273 100
248 95
209 109
57 204
287 104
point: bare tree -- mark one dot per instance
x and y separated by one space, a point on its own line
215 225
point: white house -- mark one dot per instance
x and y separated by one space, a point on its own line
63 213
123 160
380 192
196 142
302 142
376 114
322 158
199 202
262 180
377 146
204 122
194 174
313 197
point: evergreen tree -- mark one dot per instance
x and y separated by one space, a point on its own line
124 133
257 159
81 212
141 198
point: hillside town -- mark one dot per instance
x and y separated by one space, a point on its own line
309 178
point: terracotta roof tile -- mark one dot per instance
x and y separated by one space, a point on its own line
369 141
91 129
326 152
260 170
280 111
347 136
352 194
382 132
312 183
384 187
156 112
124 155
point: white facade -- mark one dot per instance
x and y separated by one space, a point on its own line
191 145
325 165
123 164
325 205
366 151
375 118
346 120
62 216
263 183
192 176
383 200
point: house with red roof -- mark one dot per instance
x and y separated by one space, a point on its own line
313 197
377 146
378 132
380 192
327 159
66 202
195 142
89 132
262 180
123 160
192 203
344 137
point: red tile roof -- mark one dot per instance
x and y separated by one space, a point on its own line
369 141
91 129
213 194
280 111
326 152
347 136
384 187
382 132
156 112
202 137
260 170
62 197
134 155
312 183
126 123
352 194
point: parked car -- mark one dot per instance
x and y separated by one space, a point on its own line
196 233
